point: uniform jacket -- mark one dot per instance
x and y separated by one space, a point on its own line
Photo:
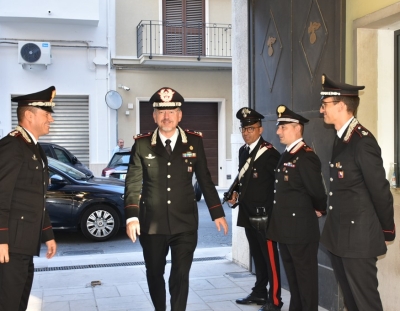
256 188
299 193
360 216
24 221
167 203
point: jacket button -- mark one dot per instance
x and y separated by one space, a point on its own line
279 170
330 193
331 165
276 181
169 201
22 217
37 167
148 164
168 189
274 191
294 214
331 179
274 202
330 207
168 176
169 163
352 221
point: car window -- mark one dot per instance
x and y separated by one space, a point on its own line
120 159
66 169
47 150
62 156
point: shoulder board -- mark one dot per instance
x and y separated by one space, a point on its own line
266 145
20 132
362 131
200 134
356 127
15 133
138 136
307 148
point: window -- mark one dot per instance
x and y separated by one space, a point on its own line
183 27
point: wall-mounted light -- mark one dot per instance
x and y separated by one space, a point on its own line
124 87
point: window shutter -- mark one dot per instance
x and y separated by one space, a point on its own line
183 27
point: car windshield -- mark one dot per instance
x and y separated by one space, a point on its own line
120 159
66 169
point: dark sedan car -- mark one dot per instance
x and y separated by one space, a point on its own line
93 205
64 155
118 166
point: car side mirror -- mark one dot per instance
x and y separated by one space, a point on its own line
57 180
74 160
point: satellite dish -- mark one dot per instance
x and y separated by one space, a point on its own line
113 100
30 52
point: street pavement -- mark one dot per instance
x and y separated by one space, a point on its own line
117 282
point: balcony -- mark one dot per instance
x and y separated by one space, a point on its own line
180 45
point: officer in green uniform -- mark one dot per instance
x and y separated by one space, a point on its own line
160 203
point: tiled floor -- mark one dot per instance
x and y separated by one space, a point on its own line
214 284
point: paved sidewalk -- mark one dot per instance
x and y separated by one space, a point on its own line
65 284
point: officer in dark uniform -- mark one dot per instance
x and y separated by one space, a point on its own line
254 191
24 221
300 199
160 203
360 217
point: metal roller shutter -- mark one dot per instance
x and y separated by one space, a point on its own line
70 128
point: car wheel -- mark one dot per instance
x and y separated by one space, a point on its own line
100 222
197 191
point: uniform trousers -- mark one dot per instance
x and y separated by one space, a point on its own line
301 267
266 261
358 280
155 249
16 279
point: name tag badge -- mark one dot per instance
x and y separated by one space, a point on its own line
286 178
340 174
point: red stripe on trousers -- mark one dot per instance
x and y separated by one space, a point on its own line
274 274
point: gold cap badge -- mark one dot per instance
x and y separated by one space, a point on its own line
166 94
245 112
280 110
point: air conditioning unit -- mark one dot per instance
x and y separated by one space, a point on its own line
34 53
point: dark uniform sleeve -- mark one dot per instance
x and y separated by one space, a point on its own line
369 160
10 165
310 172
133 183
206 184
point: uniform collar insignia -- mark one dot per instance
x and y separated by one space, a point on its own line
150 156
34 157
155 133
350 130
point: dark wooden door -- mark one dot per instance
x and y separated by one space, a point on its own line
291 44
201 117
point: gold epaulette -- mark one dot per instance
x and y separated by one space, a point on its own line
138 136
200 134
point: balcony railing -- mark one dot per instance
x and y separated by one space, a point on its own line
184 39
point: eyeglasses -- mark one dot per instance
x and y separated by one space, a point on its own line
249 129
323 104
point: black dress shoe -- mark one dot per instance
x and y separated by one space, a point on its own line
251 299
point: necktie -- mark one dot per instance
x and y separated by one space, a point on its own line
168 146
244 156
